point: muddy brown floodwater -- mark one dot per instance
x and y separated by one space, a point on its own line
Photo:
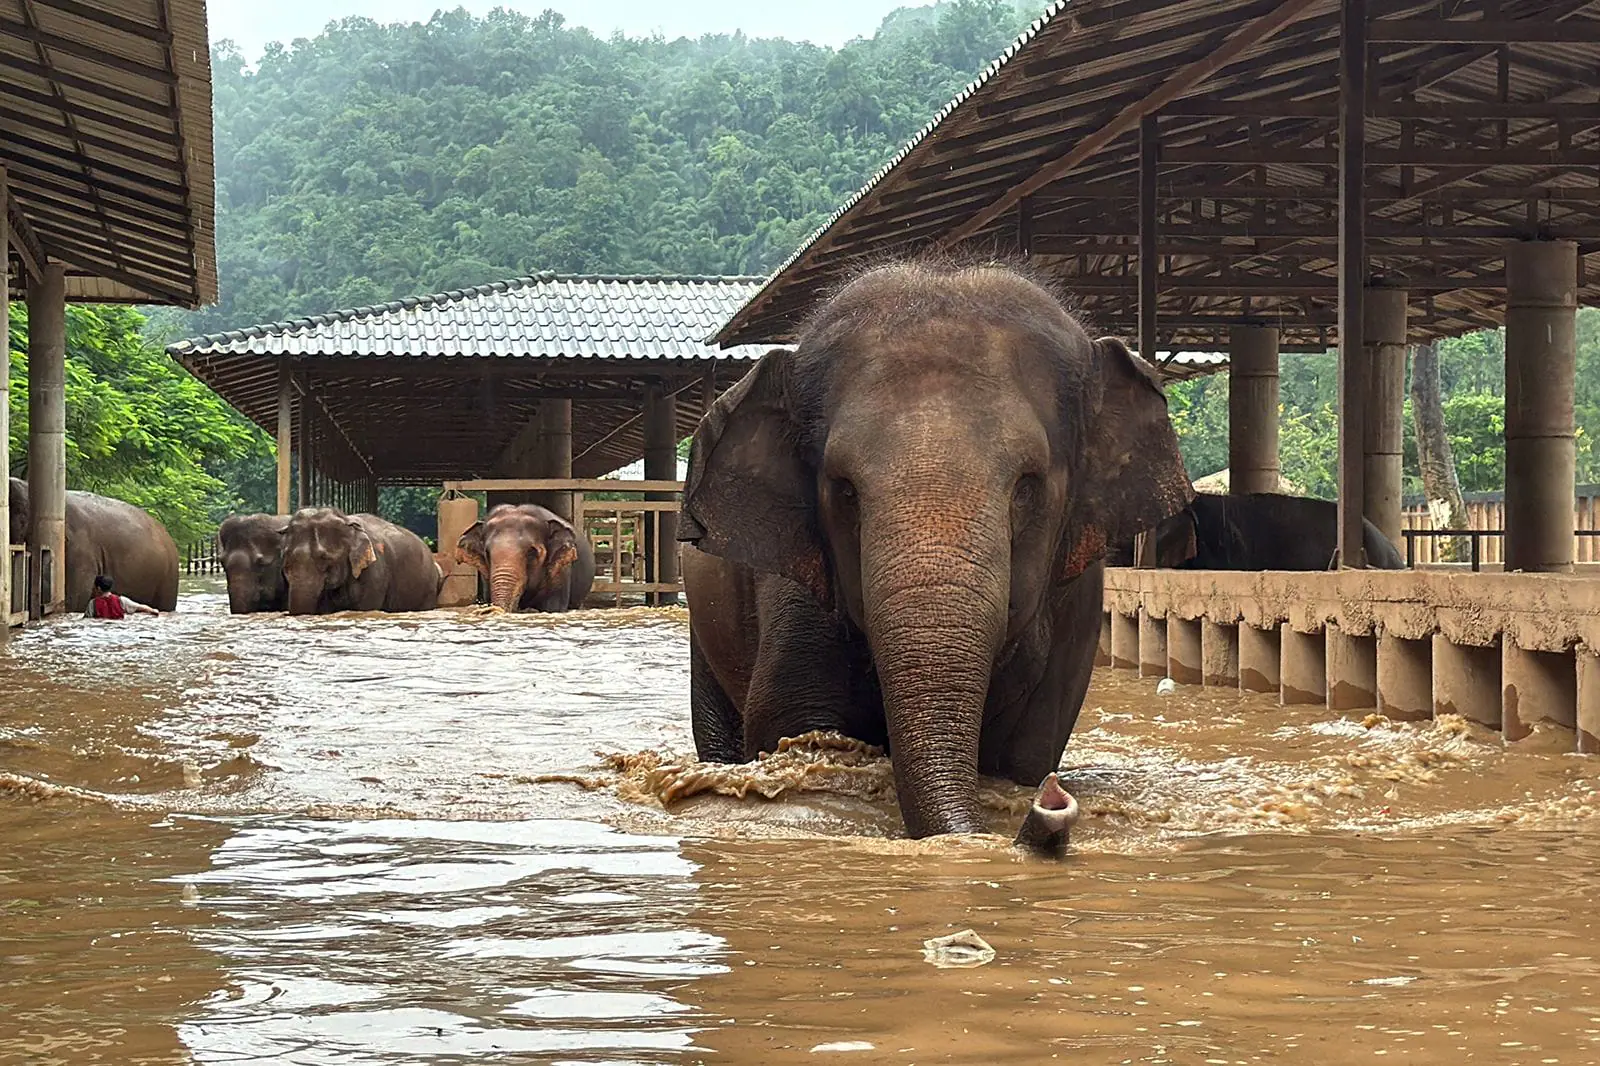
465 837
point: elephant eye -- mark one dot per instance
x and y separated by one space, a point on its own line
845 490
1026 493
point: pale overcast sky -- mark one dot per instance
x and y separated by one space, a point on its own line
252 23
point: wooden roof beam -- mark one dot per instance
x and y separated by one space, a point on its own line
23 239
1192 75
71 47
1483 31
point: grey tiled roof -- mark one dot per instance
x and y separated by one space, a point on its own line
542 316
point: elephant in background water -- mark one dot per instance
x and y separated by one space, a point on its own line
107 536
338 562
532 558
1258 531
251 546
900 530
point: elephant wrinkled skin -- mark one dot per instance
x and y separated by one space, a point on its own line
107 536
1259 531
338 562
899 531
531 558
251 546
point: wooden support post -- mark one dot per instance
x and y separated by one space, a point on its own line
661 464
708 389
1352 277
302 451
555 454
1149 262
5 412
47 440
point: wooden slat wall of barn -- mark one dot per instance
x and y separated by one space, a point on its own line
1491 514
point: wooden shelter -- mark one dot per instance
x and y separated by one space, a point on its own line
1262 176
541 377
106 189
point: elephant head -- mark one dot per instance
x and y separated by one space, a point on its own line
944 451
17 497
251 548
522 550
324 552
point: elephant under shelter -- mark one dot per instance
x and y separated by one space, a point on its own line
111 537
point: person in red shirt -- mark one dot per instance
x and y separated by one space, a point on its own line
107 604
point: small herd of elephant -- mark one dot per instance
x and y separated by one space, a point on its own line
320 560
898 530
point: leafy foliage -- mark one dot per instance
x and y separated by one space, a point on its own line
138 427
378 161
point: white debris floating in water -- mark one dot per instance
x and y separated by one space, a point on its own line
845 1045
1166 687
962 949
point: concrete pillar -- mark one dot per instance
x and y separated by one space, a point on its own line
1152 645
1219 654
661 464
1405 678
555 454
47 439
5 413
1185 660
1260 659
1102 654
1124 641
1351 677
1384 341
1536 686
1541 374
1466 681
1588 670
1303 667
1252 409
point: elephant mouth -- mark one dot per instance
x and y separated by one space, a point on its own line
1049 821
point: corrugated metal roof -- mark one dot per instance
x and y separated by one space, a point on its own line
1462 158
105 136
544 316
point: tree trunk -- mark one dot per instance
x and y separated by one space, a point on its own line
1436 462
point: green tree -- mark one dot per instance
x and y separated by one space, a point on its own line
139 428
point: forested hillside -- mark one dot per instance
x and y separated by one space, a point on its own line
373 162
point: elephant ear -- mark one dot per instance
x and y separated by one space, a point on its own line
471 548
1134 476
361 549
750 496
1176 543
561 545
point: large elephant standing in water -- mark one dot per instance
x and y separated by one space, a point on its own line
1259 531
338 562
251 546
532 558
901 528
106 536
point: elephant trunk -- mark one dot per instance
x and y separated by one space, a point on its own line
508 578
304 596
935 620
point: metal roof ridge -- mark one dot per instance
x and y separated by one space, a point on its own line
409 303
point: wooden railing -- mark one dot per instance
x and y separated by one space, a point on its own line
636 551
202 558
1486 514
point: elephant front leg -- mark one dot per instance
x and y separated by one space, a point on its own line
805 677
